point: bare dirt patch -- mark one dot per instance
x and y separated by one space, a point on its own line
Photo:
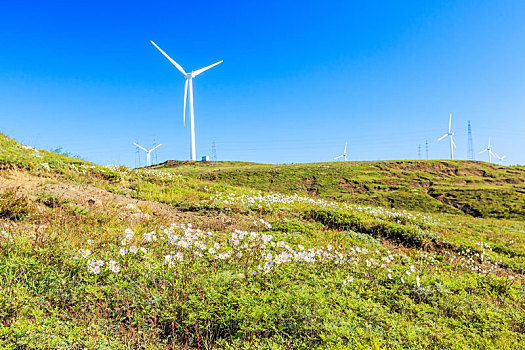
353 186
85 195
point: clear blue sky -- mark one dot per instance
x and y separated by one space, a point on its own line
299 78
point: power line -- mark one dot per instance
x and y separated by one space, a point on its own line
398 137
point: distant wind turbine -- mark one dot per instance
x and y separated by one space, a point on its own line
148 153
500 158
189 81
489 152
450 134
343 156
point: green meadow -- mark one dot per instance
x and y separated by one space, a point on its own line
350 255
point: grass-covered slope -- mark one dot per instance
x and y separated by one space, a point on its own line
113 258
476 188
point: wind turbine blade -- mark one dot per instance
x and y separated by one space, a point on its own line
185 96
483 151
199 71
169 58
338 157
345 148
442 137
489 143
139 146
449 123
453 143
154 148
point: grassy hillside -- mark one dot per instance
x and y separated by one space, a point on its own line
474 188
113 258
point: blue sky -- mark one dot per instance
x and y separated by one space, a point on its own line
299 78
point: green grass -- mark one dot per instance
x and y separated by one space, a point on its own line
474 188
470 267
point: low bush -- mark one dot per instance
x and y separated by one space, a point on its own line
361 237
15 206
377 228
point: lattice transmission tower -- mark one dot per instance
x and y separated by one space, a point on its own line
155 152
137 156
213 153
470 153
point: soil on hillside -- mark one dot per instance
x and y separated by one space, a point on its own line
89 196
85 195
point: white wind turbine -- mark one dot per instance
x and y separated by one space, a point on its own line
342 155
189 81
490 153
450 134
148 162
500 158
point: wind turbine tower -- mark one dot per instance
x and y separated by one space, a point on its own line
450 134
189 83
148 153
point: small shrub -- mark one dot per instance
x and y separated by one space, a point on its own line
79 210
361 237
51 201
294 226
14 206
112 176
496 285
377 228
